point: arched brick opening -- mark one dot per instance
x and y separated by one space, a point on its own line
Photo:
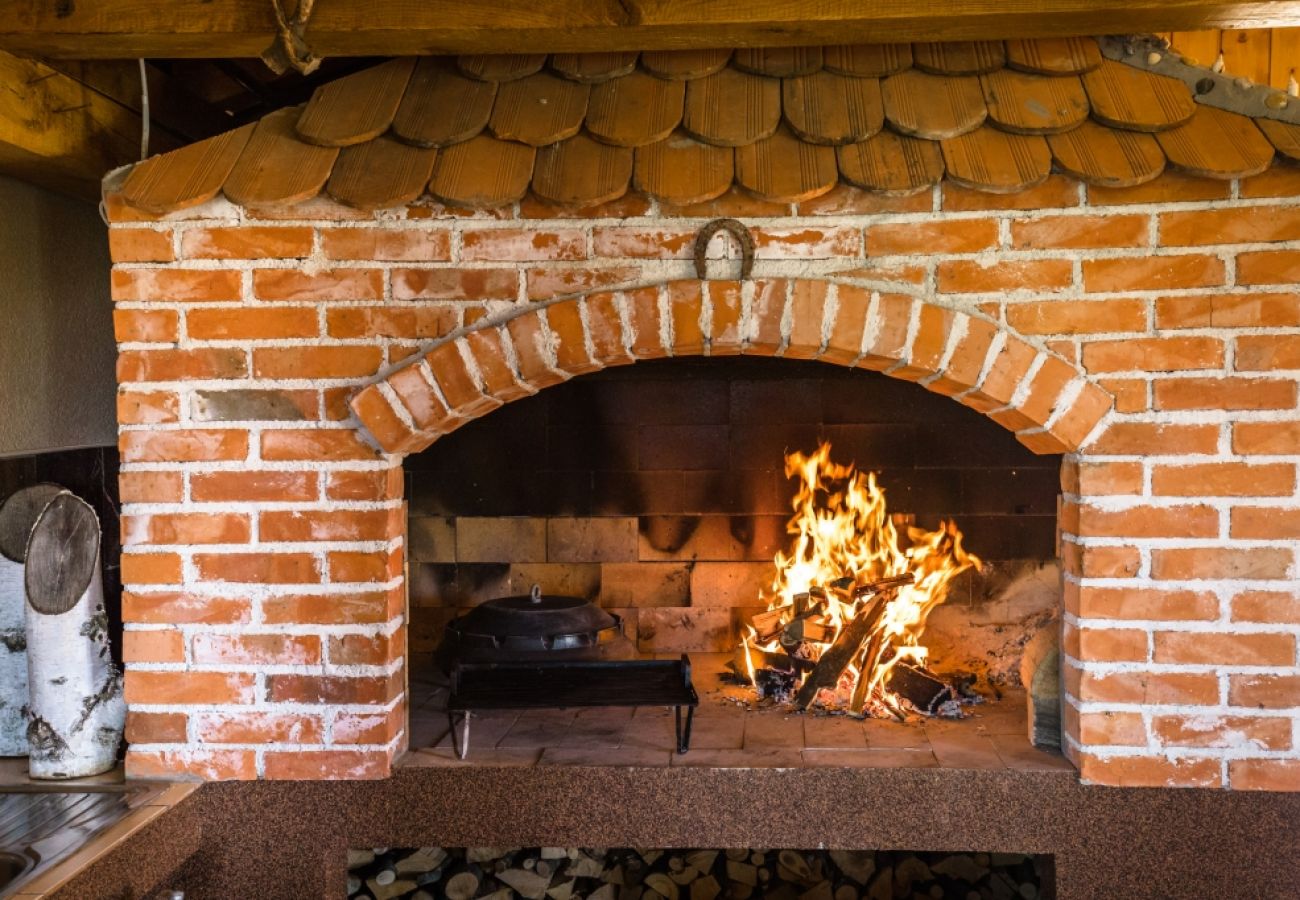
1048 402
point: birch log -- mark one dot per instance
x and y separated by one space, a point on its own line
76 712
17 516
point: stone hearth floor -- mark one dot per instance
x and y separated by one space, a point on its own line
725 734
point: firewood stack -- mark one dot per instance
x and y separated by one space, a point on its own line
813 658
554 873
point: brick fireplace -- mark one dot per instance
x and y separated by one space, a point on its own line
295 321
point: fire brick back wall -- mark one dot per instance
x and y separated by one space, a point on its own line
658 490
265 605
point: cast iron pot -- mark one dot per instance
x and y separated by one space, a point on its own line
533 627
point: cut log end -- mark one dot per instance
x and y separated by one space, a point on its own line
18 514
62 555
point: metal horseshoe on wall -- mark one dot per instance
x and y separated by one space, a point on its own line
737 231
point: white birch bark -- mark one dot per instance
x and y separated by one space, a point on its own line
76 711
17 515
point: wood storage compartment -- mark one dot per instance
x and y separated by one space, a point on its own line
77 710
558 873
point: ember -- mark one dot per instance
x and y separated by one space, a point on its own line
848 606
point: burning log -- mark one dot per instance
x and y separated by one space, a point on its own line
921 688
767 625
849 642
835 660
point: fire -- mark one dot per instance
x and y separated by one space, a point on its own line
848 582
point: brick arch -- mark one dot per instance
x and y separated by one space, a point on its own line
1049 403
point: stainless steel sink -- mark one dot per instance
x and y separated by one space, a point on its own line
42 825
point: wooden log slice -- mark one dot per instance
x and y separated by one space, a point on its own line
501 66
1054 56
1107 157
933 106
868 60
635 110
594 68
825 108
891 163
356 108
539 109
784 169
959 57
276 167
684 65
482 172
778 62
582 172
1217 144
18 513
997 161
732 108
186 177
1034 104
380 173
1129 98
62 555
441 106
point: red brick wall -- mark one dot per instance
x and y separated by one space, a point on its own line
263 532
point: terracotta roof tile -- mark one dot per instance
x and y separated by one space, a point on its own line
276 167
933 106
681 170
997 161
355 109
959 57
582 172
482 171
681 65
1217 144
185 177
786 169
501 66
732 108
868 60
825 108
1107 157
1129 98
1032 104
1284 136
784 124
539 109
891 163
441 106
636 110
379 173
593 68
779 62
1054 56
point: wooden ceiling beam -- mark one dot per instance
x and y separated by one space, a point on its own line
105 29
62 134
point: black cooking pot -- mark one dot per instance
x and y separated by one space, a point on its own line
531 627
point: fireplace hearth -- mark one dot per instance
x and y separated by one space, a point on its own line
338 431
702 503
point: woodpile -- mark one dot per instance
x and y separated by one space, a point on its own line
813 657
554 873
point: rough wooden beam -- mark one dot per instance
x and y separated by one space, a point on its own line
231 28
61 134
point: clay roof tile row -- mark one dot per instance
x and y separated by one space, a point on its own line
786 124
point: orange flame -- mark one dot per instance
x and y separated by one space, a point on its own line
844 538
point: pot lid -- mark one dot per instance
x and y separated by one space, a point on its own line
534 615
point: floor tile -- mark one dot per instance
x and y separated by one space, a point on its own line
871 758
